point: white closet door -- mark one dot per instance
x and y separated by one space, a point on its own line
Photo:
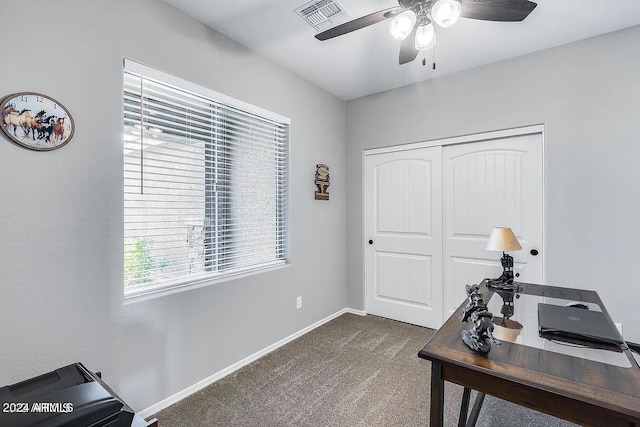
403 229
493 183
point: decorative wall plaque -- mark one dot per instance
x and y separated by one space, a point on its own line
36 121
322 181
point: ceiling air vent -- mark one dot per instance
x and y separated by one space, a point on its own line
323 14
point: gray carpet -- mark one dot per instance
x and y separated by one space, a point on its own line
352 371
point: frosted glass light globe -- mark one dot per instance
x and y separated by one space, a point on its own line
425 37
445 13
401 26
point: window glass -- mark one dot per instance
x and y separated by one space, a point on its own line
205 184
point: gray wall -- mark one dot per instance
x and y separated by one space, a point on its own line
587 94
61 222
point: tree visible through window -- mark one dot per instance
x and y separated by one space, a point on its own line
205 183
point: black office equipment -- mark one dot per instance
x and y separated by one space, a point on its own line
69 396
556 321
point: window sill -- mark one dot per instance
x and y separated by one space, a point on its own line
141 295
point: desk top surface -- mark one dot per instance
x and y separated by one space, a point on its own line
612 382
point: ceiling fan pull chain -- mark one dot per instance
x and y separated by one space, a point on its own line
433 57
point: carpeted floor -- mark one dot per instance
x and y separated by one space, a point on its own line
352 371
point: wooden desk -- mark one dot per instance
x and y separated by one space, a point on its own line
579 390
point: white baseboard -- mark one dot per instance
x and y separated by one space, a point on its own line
146 413
354 311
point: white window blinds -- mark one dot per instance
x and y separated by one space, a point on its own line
205 183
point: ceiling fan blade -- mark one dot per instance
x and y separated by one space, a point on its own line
359 23
497 10
408 51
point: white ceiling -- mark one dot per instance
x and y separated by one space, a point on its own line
366 61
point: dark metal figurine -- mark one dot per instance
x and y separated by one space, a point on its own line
506 279
480 337
474 301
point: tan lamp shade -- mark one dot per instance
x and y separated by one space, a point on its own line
503 239
506 329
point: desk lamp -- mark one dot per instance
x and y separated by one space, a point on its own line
503 239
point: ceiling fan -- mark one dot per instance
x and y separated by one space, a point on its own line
412 21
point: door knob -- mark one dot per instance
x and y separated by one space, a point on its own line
371 242
533 252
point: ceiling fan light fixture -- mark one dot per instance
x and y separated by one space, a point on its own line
445 13
401 26
425 37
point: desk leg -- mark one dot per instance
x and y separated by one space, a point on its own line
437 396
464 407
475 411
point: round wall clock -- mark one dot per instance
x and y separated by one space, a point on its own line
36 121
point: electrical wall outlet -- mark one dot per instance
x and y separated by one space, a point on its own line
299 302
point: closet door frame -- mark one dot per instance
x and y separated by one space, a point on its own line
463 139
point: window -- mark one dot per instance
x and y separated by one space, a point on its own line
205 183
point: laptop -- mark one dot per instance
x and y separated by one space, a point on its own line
557 321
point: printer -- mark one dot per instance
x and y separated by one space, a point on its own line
70 396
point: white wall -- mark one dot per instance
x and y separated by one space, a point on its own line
61 222
587 94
